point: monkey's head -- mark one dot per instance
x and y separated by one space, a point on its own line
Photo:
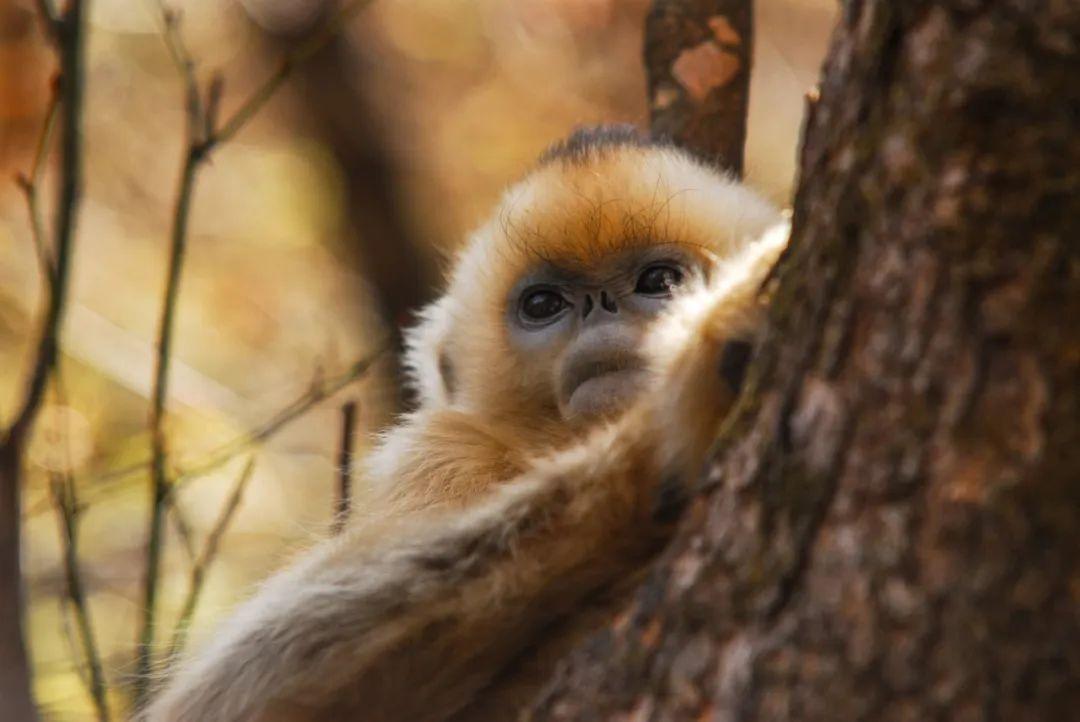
548 303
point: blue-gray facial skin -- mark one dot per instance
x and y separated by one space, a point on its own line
584 329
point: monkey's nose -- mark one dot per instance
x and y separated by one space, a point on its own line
608 303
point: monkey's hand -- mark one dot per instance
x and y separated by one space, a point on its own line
701 349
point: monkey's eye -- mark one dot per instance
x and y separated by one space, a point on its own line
541 305
658 280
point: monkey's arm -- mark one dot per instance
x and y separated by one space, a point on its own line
407 621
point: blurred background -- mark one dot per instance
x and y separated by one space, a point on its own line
313 233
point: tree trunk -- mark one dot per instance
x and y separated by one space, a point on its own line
890 527
16 698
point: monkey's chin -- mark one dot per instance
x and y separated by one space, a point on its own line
605 395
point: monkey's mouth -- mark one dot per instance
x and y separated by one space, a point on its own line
602 386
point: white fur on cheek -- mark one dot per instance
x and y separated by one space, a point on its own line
424 344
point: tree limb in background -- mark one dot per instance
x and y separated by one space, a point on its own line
400 271
698 55
30 185
64 495
66 502
14 672
893 513
204 134
205 559
182 528
111 482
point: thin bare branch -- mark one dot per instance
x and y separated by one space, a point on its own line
345 459
300 406
183 528
293 411
71 88
29 185
201 139
74 653
64 495
66 502
113 481
205 559
174 42
185 66
214 91
14 670
159 473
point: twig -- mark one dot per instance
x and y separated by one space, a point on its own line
202 137
14 682
697 57
62 489
205 559
65 498
159 443
293 411
345 458
29 185
290 413
183 528
110 482
71 82
74 653
159 447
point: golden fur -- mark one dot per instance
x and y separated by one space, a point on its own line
577 210
488 524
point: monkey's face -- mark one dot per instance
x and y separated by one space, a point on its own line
545 315
583 327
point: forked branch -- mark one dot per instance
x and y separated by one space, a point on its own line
203 135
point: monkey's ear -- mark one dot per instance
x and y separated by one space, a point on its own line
427 359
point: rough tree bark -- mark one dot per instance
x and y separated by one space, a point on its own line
890 527
697 57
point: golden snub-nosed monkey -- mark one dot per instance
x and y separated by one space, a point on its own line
590 340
